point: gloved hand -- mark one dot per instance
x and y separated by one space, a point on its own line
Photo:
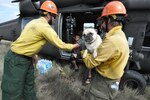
76 46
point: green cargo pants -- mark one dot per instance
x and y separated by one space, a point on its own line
18 78
100 88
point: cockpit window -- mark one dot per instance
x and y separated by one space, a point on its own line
88 25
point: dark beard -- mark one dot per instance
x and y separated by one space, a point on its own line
50 22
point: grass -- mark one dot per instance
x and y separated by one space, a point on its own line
63 83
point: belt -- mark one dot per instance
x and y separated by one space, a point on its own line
23 56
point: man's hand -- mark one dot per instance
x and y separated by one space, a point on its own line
35 60
76 46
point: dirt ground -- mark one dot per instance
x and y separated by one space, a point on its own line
63 83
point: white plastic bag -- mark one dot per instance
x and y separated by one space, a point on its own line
43 66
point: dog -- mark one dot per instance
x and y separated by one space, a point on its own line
92 42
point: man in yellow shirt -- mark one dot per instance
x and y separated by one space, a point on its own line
112 54
18 76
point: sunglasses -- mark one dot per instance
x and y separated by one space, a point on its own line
53 15
101 21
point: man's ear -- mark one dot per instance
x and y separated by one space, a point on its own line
48 16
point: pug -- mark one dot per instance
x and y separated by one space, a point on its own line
92 42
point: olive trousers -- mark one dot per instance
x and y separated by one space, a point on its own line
100 88
18 78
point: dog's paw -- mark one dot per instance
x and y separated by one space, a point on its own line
85 53
74 55
95 54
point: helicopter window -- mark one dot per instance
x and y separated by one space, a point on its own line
88 25
71 26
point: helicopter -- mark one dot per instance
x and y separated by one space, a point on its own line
75 15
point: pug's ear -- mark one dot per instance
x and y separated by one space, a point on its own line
96 30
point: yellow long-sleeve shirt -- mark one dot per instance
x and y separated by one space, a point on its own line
112 55
34 36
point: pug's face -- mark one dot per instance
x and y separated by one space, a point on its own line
89 35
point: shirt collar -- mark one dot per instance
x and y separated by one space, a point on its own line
113 31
